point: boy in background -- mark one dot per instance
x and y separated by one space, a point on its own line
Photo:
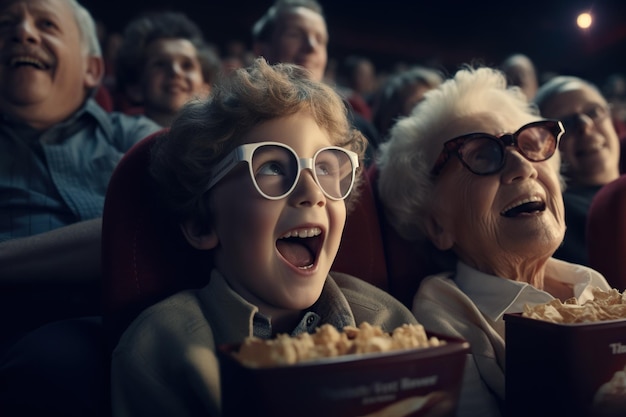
163 63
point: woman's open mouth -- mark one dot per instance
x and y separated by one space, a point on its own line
527 206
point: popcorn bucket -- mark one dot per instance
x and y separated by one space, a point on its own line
555 369
411 382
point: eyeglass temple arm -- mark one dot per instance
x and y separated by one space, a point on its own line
223 167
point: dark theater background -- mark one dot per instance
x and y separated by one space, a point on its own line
444 33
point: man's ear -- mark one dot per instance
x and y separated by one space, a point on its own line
94 71
198 236
439 235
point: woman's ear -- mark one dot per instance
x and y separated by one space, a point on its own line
199 236
440 235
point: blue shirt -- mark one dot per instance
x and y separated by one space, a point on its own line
53 178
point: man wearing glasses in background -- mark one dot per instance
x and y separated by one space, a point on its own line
590 152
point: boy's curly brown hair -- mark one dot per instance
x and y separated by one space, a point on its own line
206 131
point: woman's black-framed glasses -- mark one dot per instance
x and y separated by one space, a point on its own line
484 154
275 169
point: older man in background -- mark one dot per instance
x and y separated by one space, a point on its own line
295 31
58 149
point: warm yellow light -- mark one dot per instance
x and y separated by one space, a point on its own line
584 20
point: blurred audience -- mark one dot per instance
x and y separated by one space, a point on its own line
590 152
293 31
614 90
399 95
111 46
520 71
162 63
236 55
356 80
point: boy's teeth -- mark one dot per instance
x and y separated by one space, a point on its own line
303 233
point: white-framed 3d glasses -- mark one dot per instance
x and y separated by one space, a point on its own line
275 169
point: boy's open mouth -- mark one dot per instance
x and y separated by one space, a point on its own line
300 247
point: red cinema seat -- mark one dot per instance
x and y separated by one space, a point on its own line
141 248
606 232
361 253
407 262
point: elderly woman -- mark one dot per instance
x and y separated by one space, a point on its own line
481 182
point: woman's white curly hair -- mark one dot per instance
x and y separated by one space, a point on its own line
405 162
